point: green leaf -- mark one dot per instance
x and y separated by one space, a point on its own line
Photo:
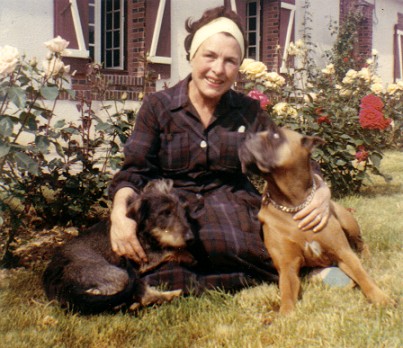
376 159
60 124
42 143
4 149
27 163
6 126
50 93
17 96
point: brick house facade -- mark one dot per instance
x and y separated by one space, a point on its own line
145 31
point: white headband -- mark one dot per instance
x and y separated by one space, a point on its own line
219 25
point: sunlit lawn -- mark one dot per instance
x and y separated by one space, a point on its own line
325 317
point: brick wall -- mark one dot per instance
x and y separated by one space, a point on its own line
270 29
365 32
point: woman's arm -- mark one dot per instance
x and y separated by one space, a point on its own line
123 232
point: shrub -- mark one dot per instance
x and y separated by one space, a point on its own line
53 171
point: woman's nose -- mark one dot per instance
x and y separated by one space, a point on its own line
218 66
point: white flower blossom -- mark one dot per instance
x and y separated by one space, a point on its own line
374 52
57 45
285 109
377 88
329 70
54 67
9 57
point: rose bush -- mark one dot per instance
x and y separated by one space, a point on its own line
354 112
53 171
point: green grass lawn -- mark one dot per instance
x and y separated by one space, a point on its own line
325 317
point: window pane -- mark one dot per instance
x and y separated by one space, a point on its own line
108 60
116 20
252 9
252 39
252 52
116 39
108 42
108 21
116 57
108 5
252 23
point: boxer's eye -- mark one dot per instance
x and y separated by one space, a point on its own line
276 136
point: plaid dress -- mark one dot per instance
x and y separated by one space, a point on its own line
170 141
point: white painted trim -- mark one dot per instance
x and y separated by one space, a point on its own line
288 35
400 52
81 52
233 5
122 33
153 58
97 30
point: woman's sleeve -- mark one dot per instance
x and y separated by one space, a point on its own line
141 150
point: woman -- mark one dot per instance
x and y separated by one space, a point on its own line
190 133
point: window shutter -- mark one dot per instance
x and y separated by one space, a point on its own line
158 22
286 35
71 18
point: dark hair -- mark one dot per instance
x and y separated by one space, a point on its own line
209 15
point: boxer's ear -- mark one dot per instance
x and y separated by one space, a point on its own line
310 142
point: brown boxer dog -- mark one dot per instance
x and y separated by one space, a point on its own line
283 159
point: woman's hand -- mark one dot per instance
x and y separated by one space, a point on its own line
123 231
316 214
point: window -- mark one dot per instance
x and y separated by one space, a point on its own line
106 32
252 29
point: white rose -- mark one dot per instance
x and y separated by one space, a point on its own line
54 67
365 74
392 88
310 97
374 52
345 92
57 45
329 70
300 43
377 88
9 57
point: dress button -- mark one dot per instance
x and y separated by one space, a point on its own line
203 144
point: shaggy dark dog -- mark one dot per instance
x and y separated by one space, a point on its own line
87 276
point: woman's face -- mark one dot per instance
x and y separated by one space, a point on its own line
215 67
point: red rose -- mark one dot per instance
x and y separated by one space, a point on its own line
371 118
323 119
264 101
372 101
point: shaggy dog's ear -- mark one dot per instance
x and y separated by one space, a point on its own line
161 186
138 209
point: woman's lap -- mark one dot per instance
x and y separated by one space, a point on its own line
228 247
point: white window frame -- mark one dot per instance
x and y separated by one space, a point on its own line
81 51
98 34
121 39
292 9
258 9
400 53
152 56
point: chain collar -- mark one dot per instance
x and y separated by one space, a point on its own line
293 209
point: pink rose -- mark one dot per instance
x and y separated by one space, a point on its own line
264 101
